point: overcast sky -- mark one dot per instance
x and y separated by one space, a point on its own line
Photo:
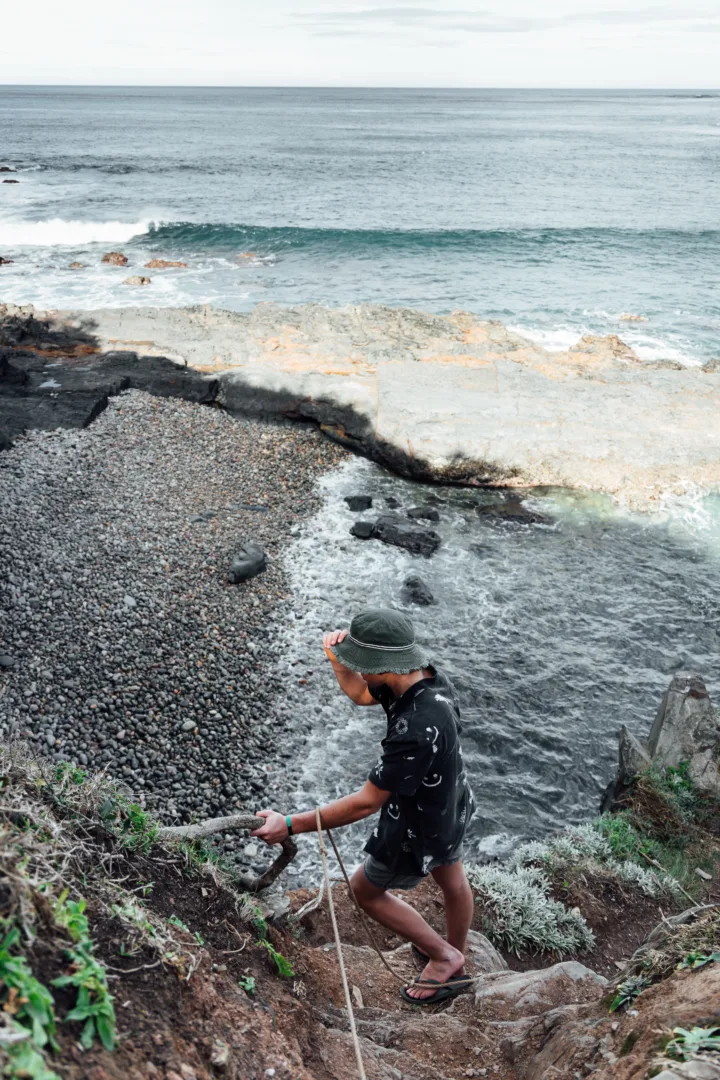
619 43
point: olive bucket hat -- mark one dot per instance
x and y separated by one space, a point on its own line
381 640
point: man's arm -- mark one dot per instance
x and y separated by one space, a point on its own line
355 807
349 681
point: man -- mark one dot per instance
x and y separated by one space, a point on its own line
419 784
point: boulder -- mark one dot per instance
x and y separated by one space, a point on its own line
513 510
362 530
392 503
11 181
358 503
515 995
712 367
417 591
423 513
686 728
5 262
114 258
634 757
6 168
76 266
163 264
249 561
394 530
136 279
628 317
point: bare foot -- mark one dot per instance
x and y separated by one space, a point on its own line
452 963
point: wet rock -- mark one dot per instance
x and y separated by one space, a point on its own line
417 591
249 561
363 530
163 264
358 503
634 757
5 262
423 513
392 503
7 662
6 168
114 258
76 266
712 367
390 529
137 279
513 510
628 317
518 994
686 728
11 181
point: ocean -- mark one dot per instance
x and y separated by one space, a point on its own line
553 211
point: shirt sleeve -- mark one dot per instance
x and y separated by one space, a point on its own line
404 764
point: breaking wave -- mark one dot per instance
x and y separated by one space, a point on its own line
74 234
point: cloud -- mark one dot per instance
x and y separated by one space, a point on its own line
465 20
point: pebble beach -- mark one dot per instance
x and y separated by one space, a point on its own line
123 645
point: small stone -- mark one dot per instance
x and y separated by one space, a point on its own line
129 601
250 561
7 661
358 503
49 738
703 874
220 1054
188 725
76 266
363 530
115 258
137 279
423 513
250 850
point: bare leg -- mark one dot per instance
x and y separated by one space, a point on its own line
396 915
459 903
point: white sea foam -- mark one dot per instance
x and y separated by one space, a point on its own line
59 233
555 340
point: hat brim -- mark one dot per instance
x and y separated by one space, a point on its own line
377 661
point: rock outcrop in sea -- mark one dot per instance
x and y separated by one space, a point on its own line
445 397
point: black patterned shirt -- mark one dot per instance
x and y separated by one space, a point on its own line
423 823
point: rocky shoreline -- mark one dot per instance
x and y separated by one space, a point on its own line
124 646
445 398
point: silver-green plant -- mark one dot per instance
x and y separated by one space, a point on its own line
523 915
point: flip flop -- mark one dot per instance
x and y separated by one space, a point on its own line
441 994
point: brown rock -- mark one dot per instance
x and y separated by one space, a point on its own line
5 262
163 264
136 279
11 181
76 266
6 168
115 258
712 367
627 317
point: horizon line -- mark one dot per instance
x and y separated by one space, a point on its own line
338 86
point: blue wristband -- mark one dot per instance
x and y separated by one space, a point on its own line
288 822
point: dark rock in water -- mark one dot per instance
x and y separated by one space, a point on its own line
7 662
391 529
248 563
357 503
5 262
6 168
423 513
513 510
417 591
392 502
363 530
11 181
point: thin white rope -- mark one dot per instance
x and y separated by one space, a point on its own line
338 947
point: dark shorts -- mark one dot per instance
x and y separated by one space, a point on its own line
383 877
